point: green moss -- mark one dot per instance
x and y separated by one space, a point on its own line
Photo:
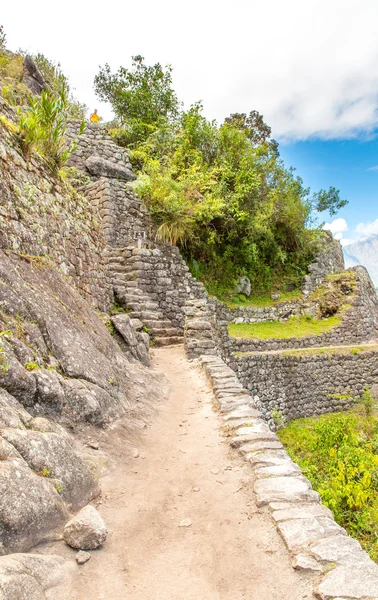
297 327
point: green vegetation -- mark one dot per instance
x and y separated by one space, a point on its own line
258 301
220 192
42 126
32 366
339 455
296 327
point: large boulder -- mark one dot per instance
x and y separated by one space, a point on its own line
33 577
86 531
52 456
30 507
100 167
243 286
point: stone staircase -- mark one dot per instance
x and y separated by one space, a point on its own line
128 279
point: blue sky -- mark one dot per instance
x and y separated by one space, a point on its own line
347 165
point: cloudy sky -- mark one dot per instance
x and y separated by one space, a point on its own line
311 68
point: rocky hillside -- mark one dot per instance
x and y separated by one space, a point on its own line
364 252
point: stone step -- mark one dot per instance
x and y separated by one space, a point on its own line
143 305
164 332
137 298
168 341
146 316
162 324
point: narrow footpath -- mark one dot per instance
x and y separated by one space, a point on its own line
181 514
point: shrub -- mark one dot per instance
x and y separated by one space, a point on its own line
43 125
339 454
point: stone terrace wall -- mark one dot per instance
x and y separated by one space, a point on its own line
250 314
306 385
38 217
161 272
359 324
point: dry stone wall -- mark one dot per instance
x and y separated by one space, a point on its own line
309 384
41 218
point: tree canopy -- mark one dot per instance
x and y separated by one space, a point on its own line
220 192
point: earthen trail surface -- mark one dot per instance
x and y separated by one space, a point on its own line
184 474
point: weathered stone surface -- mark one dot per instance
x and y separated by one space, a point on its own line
304 562
267 457
30 507
12 413
301 511
33 577
82 557
49 389
299 533
101 167
359 582
86 530
256 446
243 286
285 470
342 550
276 489
52 455
123 325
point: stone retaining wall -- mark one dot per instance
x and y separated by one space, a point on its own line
309 384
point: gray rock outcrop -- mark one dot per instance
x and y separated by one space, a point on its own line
33 577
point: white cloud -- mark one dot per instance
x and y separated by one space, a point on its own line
310 67
373 168
337 228
346 241
367 228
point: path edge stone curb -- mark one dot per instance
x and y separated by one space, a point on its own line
314 540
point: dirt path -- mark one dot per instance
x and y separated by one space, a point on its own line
231 550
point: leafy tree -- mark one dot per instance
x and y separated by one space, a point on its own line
328 200
141 97
221 193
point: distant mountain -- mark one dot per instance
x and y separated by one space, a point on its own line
365 253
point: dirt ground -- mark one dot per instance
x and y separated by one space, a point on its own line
181 515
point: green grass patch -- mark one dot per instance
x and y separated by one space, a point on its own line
339 454
260 301
296 327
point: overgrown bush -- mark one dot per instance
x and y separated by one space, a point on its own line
339 454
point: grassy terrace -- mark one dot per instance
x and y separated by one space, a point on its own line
260 301
296 327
